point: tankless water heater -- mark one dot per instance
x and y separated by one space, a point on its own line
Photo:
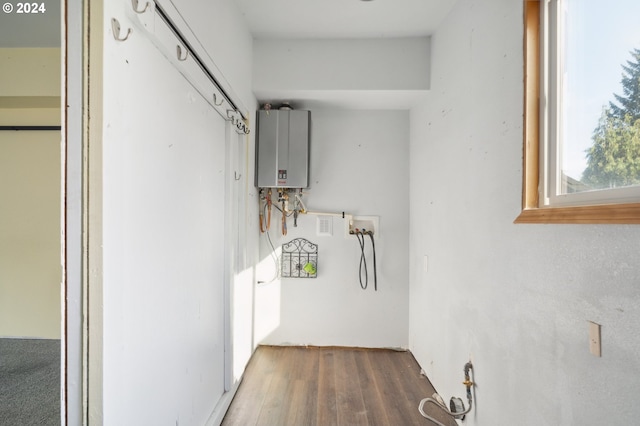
282 148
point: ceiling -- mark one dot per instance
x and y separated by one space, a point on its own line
343 18
288 19
339 19
273 19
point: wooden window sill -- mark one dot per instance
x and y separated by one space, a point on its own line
603 214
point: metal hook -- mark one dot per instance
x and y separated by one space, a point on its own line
231 115
115 27
237 176
135 4
215 100
242 127
179 52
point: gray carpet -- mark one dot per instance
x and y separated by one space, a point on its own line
29 382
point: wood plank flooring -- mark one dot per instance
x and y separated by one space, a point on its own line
306 386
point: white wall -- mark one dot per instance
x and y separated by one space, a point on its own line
358 165
220 29
515 299
164 170
368 76
346 64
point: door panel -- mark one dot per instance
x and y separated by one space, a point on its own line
163 233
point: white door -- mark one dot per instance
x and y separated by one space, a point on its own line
163 236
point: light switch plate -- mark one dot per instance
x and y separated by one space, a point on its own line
594 339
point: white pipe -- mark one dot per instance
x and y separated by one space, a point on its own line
344 215
304 211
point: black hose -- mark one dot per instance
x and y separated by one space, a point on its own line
363 261
375 272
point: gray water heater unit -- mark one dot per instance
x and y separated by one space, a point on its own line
282 148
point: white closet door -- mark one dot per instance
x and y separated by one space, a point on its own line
163 226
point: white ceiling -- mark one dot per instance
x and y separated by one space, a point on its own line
343 18
326 19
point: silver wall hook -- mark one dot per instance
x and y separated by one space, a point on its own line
115 27
236 119
236 175
135 4
179 53
215 100
242 127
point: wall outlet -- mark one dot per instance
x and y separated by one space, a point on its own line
594 339
369 223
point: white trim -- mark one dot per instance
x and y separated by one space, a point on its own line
551 109
222 406
602 196
543 188
73 354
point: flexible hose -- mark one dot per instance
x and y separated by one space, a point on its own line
444 409
468 366
273 255
269 209
425 415
363 261
261 201
285 204
375 269
284 224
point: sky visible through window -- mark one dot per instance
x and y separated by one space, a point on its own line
599 38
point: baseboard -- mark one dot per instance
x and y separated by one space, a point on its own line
223 405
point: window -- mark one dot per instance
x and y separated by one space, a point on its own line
582 112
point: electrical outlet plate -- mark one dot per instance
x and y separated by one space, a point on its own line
370 223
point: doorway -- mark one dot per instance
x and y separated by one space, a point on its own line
30 219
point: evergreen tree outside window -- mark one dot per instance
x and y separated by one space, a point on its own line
613 160
597 93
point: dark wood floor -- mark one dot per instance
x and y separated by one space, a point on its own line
304 386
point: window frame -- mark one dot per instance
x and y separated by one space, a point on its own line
534 161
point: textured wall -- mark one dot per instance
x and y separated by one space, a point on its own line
165 164
515 299
358 165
